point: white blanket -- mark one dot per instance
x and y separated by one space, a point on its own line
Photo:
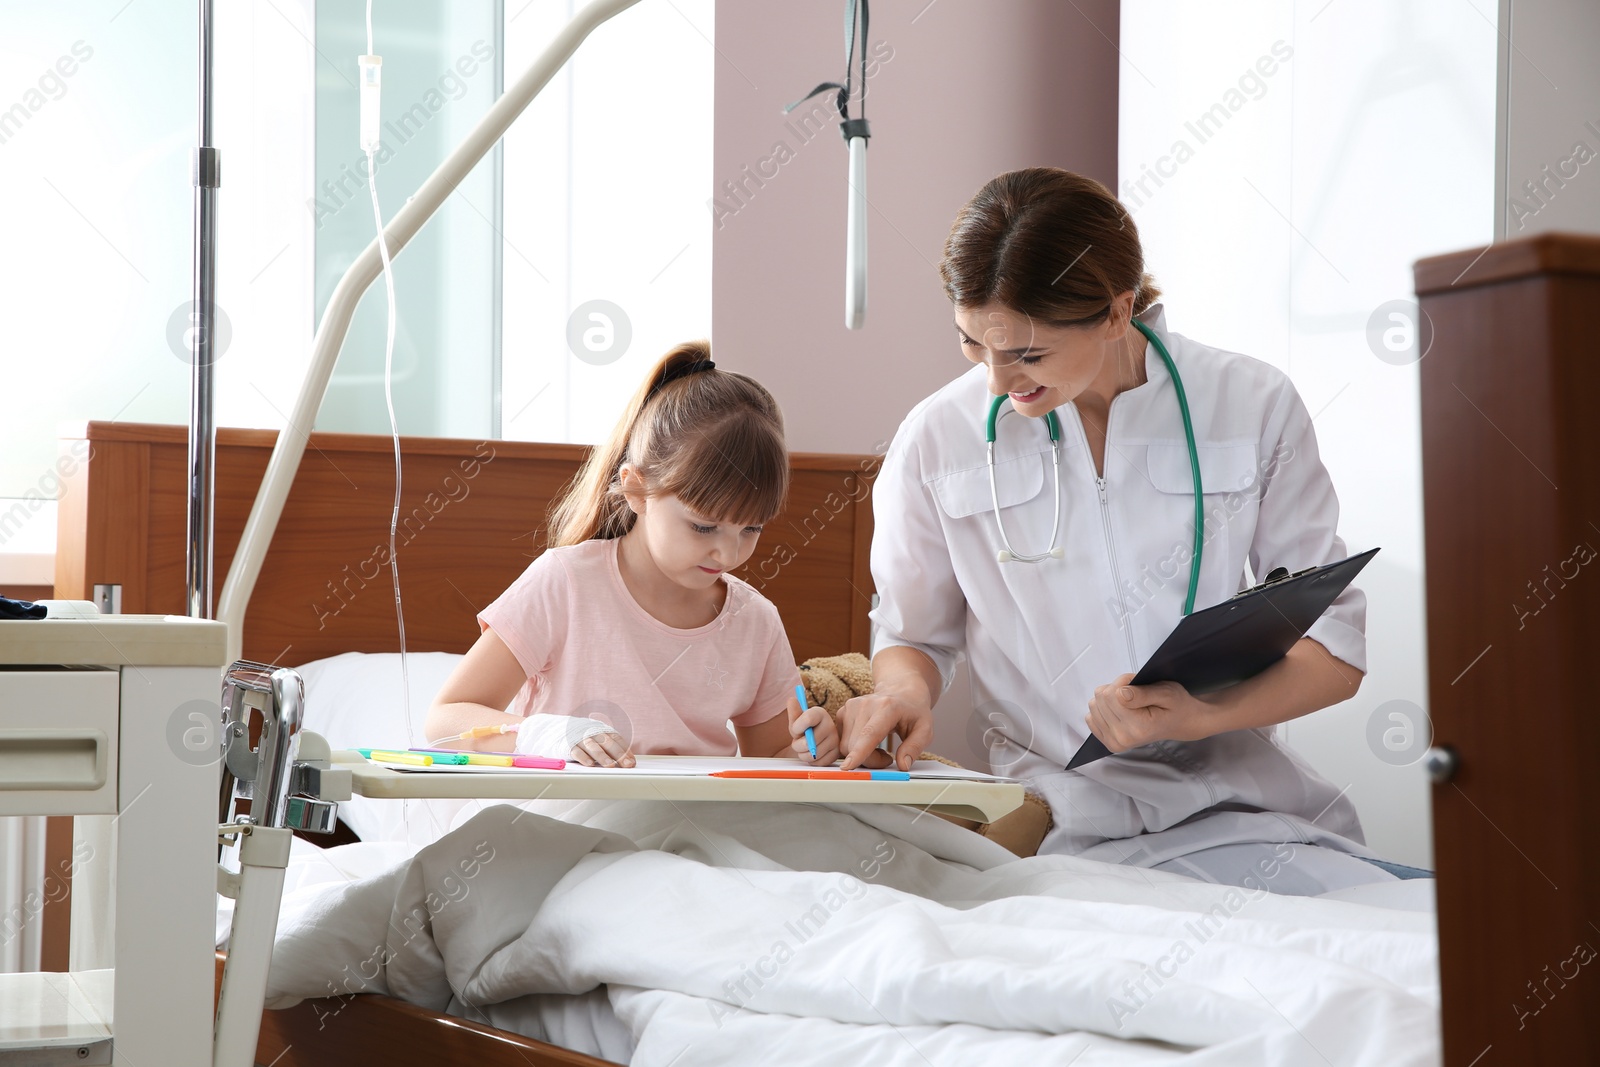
835 934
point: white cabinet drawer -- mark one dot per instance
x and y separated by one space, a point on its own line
58 741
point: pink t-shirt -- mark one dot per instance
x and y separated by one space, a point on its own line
590 650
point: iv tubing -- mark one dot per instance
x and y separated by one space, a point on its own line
369 138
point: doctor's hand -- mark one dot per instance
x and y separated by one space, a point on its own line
1126 716
866 720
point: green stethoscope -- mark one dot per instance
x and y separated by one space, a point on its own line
1053 424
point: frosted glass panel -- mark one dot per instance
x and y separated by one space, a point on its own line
97 261
1286 164
97 127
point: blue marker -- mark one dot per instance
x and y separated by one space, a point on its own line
811 737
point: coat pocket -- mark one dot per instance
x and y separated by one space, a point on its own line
968 492
1224 468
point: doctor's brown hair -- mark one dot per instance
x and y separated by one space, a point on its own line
1048 243
712 438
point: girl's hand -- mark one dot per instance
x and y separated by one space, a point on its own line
1126 716
603 750
825 733
587 741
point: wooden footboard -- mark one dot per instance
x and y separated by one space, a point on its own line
377 1029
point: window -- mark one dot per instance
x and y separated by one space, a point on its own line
595 204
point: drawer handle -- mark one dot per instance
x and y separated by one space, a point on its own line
52 759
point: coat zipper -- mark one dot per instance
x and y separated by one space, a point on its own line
1105 521
1170 749
1116 576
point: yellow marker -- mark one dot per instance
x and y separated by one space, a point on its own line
414 759
481 759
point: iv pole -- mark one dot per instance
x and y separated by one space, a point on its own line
203 312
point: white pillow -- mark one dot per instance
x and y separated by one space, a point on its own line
354 700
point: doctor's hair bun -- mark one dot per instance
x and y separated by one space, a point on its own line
710 437
1050 244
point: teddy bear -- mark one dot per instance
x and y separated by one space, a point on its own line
832 680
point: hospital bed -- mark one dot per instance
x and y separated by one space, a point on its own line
311 605
473 516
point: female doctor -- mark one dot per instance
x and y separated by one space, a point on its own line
1058 567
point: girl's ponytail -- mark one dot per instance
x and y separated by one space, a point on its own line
683 430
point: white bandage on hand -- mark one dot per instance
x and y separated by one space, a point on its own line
555 736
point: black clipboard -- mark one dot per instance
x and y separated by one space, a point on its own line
1239 638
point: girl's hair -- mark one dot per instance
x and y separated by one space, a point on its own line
711 438
1048 243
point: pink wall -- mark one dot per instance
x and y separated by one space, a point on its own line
961 90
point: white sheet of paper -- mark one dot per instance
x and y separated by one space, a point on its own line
702 765
927 768
672 765
693 765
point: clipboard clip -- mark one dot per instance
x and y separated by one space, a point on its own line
1274 576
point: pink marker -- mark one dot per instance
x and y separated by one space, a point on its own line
539 763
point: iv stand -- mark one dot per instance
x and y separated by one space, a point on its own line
203 313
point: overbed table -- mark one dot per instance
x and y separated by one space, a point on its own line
983 801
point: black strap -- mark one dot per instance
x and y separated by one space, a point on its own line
682 370
848 127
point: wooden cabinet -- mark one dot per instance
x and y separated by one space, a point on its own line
1511 486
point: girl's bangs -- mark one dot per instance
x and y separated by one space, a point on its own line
742 478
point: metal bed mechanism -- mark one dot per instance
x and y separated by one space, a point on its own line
286 793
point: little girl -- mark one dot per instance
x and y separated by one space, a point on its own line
629 634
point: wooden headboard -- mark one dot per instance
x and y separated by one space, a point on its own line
473 515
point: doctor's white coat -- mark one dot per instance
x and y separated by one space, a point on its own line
1041 636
